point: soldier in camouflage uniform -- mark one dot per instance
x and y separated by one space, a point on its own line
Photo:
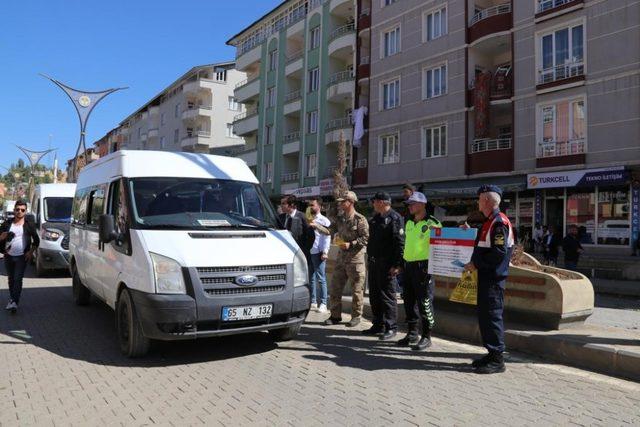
351 231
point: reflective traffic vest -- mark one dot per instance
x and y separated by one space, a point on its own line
416 239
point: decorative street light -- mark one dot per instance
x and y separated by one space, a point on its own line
84 101
34 158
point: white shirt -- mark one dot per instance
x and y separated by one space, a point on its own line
322 243
16 246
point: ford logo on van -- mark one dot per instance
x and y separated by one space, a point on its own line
246 280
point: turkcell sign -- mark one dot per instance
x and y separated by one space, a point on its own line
579 178
635 213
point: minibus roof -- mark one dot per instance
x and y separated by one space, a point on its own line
139 164
56 190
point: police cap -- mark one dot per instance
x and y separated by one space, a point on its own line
490 189
381 195
416 197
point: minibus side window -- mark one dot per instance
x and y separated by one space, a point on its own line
96 206
118 208
79 211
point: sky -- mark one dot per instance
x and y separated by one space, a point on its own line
98 44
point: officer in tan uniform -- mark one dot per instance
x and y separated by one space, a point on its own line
351 231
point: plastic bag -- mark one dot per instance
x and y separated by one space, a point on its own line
466 291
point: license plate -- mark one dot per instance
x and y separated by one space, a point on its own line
246 312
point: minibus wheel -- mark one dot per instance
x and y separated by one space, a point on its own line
285 334
81 295
133 343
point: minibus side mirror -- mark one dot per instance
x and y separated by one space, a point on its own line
107 228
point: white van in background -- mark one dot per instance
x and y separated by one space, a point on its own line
52 212
182 246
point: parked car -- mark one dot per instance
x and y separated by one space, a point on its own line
52 212
183 246
614 232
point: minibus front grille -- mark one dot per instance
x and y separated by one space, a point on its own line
231 280
241 269
242 291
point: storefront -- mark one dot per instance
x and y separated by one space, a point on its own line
597 201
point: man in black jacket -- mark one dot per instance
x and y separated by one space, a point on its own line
296 222
572 249
18 240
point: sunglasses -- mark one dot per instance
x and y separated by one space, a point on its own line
19 210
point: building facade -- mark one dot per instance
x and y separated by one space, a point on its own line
301 61
194 114
538 96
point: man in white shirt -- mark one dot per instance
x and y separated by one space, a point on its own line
319 256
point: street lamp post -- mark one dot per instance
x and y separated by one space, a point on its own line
34 159
84 102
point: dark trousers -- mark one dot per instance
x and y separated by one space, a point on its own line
382 296
490 308
418 297
570 265
15 266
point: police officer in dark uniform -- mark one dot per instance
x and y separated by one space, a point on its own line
386 242
491 256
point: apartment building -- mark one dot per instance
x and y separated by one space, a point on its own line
194 114
300 93
541 97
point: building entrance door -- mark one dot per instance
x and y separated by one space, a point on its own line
554 209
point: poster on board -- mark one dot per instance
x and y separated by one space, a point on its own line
450 250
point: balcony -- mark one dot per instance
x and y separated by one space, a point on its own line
489 155
501 86
336 127
364 67
248 53
343 8
250 156
342 41
492 20
154 110
571 73
192 112
198 140
143 137
196 86
153 133
485 144
292 102
547 9
294 62
364 21
247 89
293 136
340 86
246 122
560 153
290 177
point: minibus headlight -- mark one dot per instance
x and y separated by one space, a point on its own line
51 234
168 275
300 269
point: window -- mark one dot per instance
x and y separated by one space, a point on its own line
391 94
162 119
233 104
435 82
230 133
388 2
162 142
79 209
613 217
271 97
581 210
118 208
176 136
268 172
435 25
310 165
139 132
435 141
268 134
273 60
562 54
389 149
314 79
312 121
314 38
96 206
391 42
562 128
176 111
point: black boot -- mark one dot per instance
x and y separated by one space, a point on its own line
374 330
389 335
494 365
410 339
424 343
480 361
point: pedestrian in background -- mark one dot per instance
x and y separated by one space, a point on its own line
572 249
18 241
552 244
491 256
538 234
384 250
319 256
295 221
351 231
418 286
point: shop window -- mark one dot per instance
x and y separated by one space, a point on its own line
614 227
581 212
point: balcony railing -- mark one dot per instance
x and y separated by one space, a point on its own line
544 5
561 72
246 82
293 136
191 106
489 12
340 123
561 148
342 76
198 134
361 164
340 31
245 114
293 96
485 144
289 177
294 56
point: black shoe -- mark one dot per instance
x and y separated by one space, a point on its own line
481 361
389 335
332 321
494 365
423 344
408 340
355 321
374 330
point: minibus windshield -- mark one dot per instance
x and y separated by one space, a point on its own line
57 209
194 203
